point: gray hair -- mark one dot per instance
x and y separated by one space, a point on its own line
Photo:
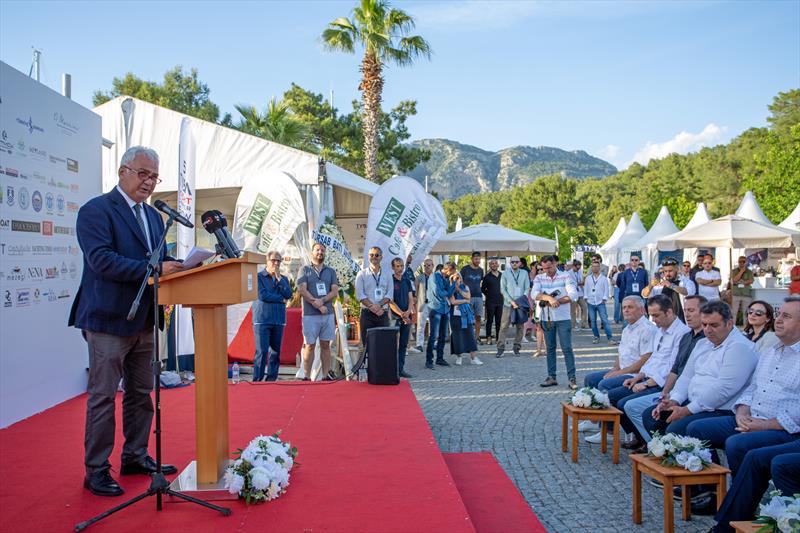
638 300
131 153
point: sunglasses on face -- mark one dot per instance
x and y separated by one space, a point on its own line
374 255
514 262
756 312
276 260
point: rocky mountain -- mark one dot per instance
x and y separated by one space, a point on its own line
456 169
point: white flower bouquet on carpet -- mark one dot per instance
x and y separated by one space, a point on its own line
590 398
676 450
261 473
779 513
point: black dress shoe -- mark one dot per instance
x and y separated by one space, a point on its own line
404 374
147 466
442 362
634 444
102 484
705 506
429 366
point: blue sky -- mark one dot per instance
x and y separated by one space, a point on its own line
622 80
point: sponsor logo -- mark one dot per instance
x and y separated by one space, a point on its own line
50 294
257 215
73 250
56 159
37 294
10 195
47 227
37 153
60 203
49 202
23 297
17 250
39 177
64 270
390 217
24 225
35 273
13 172
5 224
39 249
5 146
24 198
30 125
72 165
51 183
16 274
63 294
7 298
74 187
51 272
66 127
72 207
36 201
21 148
2 195
73 270
64 230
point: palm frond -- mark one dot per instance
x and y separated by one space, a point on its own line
415 46
334 39
398 21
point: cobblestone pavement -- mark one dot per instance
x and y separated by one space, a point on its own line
500 407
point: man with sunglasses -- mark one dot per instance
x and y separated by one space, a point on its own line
634 279
671 284
374 289
269 318
741 289
117 232
514 284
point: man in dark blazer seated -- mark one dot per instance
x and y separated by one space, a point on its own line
116 232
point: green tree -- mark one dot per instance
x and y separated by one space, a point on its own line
777 184
276 124
383 33
180 91
785 109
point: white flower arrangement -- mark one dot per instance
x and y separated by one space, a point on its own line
779 513
261 473
590 398
675 450
339 260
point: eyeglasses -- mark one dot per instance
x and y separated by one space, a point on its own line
707 263
515 261
374 255
687 264
756 312
635 260
276 260
145 175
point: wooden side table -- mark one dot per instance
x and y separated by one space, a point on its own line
671 476
609 414
744 526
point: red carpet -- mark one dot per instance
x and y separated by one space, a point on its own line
367 462
493 502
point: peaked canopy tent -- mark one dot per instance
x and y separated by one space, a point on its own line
749 208
633 232
663 225
793 220
493 239
700 216
607 251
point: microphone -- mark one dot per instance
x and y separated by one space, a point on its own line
167 210
214 222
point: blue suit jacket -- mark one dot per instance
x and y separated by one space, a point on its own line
114 264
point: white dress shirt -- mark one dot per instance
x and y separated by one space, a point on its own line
595 289
715 376
564 283
709 291
637 340
132 203
683 282
665 351
774 391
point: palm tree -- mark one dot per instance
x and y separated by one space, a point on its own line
276 124
383 32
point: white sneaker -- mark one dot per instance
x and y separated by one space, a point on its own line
475 361
588 425
595 439
458 360
414 349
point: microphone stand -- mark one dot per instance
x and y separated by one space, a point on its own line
159 484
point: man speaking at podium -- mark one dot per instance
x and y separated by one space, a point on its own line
116 232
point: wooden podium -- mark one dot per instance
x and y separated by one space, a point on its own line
208 290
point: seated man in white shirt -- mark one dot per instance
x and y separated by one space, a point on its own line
654 372
717 373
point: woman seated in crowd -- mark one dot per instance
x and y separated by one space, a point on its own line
760 327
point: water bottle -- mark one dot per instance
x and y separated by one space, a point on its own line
235 373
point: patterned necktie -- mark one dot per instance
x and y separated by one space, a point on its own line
138 209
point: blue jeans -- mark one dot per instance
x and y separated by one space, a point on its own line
596 380
561 329
721 434
437 337
594 310
679 426
619 396
268 339
752 480
638 408
405 331
617 307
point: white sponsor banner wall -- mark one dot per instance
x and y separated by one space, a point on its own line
49 167
403 219
187 167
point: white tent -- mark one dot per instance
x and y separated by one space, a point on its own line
607 251
700 216
793 220
633 233
749 208
493 239
663 225
229 158
731 231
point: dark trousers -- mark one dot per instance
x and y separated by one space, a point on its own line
438 336
405 332
112 357
679 426
369 320
268 339
494 313
618 396
780 462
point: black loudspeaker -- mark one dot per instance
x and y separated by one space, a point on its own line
382 356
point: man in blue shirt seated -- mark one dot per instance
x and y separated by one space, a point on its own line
269 318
